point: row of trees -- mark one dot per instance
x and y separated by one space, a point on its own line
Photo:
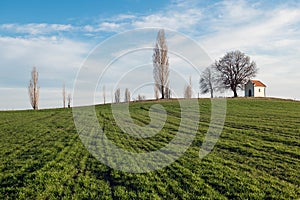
66 98
230 72
188 93
160 72
127 96
34 91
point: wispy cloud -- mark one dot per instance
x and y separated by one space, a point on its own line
36 29
268 32
270 35
272 28
177 16
174 19
57 61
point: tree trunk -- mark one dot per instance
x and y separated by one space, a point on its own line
235 93
162 92
211 91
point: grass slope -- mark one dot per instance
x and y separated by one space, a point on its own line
257 156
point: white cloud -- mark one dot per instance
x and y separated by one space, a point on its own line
177 16
274 26
237 12
57 61
122 17
170 18
270 35
109 26
36 29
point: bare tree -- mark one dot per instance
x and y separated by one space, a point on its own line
141 97
118 95
34 89
156 93
69 100
64 95
161 63
209 81
168 92
188 90
104 94
127 95
235 69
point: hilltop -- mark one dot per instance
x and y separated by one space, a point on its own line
256 157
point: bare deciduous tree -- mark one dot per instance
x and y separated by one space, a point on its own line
161 64
34 89
156 93
118 95
127 95
141 97
188 90
168 92
64 95
235 69
69 100
104 94
209 81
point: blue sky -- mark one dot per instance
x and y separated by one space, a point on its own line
57 36
67 11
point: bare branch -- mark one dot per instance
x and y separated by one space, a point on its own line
64 95
34 89
127 95
156 93
209 81
118 95
235 70
161 64
104 94
141 97
188 90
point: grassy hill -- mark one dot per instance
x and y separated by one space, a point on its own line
256 157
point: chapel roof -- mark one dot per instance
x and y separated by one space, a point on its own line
258 83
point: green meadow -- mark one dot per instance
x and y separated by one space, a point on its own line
256 157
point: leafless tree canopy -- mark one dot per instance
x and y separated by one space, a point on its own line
141 97
209 81
168 92
64 95
161 64
156 93
34 89
118 95
188 92
127 95
235 69
104 94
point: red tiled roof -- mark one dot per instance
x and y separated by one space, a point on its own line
258 83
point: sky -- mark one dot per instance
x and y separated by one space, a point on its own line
58 37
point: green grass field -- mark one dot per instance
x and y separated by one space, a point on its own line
256 157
